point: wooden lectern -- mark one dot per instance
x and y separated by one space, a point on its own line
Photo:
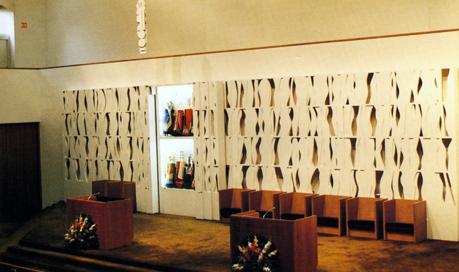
113 218
296 239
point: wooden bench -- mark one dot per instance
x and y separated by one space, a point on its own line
233 201
295 205
364 217
265 203
331 214
405 220
116 189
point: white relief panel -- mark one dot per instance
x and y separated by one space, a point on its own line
104 131
265 93
320 90
371 132
377 134
303 91
269 181
212 120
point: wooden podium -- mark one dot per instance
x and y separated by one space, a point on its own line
113 219
296 239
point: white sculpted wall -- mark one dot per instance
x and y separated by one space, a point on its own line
106 137
384 134
209 147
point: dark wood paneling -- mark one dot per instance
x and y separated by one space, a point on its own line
20 184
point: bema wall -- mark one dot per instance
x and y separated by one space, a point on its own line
396 54
71 38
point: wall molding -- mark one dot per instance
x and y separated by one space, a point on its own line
213 52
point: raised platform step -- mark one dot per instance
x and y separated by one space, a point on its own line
41 256
7 267
33 259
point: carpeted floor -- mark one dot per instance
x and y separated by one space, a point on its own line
204 246
7 228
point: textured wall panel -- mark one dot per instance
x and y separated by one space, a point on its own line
385 134
106 135
210 157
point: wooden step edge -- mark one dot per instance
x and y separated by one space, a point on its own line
111 259
26 263
75 260
37 262
46 264
18 268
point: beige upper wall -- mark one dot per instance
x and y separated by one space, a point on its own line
8 4
394 54
24 98
85 31
16 90
30 42
82 31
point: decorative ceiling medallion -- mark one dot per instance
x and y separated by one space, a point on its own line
141 27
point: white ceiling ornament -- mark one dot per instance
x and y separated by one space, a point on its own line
141 27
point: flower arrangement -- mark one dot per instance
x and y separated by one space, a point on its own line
82 233
258 255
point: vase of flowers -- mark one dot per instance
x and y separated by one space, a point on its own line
258 254
82 233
